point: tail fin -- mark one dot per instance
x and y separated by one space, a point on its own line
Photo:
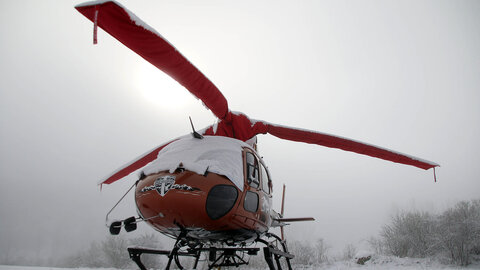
281 221
281 213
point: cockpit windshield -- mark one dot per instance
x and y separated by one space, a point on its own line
253 178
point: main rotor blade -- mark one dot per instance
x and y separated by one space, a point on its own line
134 165
127 28
243 128
324 139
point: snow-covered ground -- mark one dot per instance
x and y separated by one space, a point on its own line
387 262
377 262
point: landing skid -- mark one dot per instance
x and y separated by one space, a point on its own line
273 251
218 257
136 252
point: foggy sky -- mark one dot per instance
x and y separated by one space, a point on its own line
399 74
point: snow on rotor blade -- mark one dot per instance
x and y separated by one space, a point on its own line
332 141
134 165
243 128
127 28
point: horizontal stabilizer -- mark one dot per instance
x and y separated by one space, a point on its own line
295 219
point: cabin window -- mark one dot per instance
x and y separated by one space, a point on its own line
265 180
251 202
253 179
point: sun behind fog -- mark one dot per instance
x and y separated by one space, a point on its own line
160 89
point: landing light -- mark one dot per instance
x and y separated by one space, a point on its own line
221 200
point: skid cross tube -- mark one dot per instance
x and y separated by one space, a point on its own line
228 256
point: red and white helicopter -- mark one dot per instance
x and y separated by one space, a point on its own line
209 190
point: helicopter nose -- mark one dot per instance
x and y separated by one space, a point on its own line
220 200
185 198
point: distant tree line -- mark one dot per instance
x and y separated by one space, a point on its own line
453 234
112 253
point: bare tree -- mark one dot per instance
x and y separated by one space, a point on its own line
349 252
455 232
459 231
321 251
410 234
377 245
115 251
307 253
112 252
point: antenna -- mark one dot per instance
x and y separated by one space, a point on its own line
195 134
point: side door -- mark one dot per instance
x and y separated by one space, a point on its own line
266 200
257 190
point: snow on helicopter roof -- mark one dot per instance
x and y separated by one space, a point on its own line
216 154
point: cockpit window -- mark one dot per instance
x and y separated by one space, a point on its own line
265 180
253 178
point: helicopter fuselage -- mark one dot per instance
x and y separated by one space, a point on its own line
204 204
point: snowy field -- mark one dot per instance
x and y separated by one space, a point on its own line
377 262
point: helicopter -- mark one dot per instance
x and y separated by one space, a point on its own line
209 190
